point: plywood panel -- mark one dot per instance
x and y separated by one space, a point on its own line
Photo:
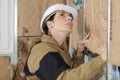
30 14
4 71
96 25
115 33
96 22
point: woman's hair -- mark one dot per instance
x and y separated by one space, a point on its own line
45 27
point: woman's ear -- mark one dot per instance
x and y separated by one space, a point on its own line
49 24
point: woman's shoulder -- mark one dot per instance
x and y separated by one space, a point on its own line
37 53
43 48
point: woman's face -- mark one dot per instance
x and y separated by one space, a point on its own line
63 21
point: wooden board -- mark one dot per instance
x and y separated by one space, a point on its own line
115 33
30 13
96 24
4 70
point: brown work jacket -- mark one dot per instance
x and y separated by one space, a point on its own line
85 71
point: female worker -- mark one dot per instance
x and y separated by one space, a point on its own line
49 60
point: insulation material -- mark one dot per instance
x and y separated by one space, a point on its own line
96 25
115 36
24 48
30 14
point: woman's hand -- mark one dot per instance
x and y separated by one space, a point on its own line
94 44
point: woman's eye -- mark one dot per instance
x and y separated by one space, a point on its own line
71 16
62 14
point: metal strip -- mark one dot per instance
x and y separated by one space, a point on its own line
109 66
14 56
67 2
70 40
112 71
86 58
0 21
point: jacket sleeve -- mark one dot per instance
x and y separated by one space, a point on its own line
77 60
85 71
51 65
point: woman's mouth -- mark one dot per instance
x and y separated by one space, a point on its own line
69 24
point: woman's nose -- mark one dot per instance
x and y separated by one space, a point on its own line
69 18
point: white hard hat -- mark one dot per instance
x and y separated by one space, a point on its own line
57 7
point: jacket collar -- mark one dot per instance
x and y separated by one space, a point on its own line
49 39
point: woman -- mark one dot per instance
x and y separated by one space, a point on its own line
49 60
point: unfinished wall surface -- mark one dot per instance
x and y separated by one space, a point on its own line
96 27
30 14
96 24
115 30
